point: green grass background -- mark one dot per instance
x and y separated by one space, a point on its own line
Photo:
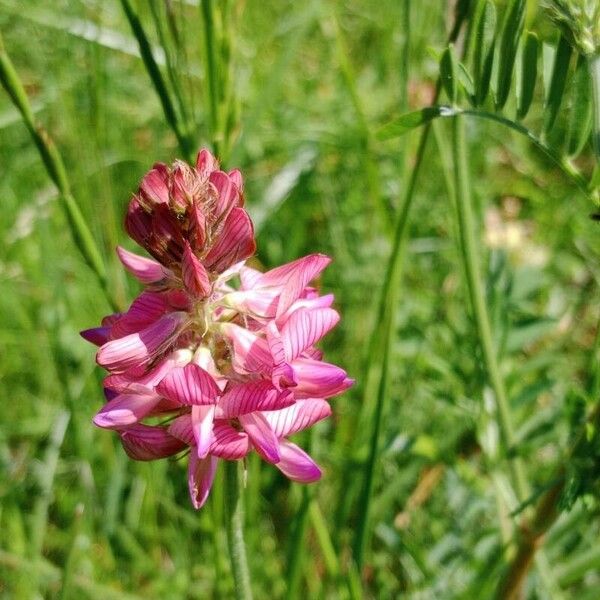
79 520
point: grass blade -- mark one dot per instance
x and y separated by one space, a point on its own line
509 42
580 116
483 53
527 75
558 82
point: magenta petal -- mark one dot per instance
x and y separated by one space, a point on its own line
144 269
182 429
144 442
237 179
296 465
154 186
297 417
294 277
305 327
125 409
227 193
248 397
261 303
250 353
195 277
147 308
229 443
318 379
189 385
206 163
201 474
202 426
235 242
97 335
137 348
262 436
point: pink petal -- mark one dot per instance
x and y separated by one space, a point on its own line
154 186
206 163
305 327
249 277
144 269
248 397
201 474
197 226
318 379
202 426
229 443
297 417
189 385
296 465
227 193
263 439
138 348
182 429
235 242
147 308
237 179
96 335
261 303
294 277
144 442
138 222
125 409
250 353
195 277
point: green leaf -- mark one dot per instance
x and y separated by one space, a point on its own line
483 52
408 121
527 75
448 73
580 116
509 42
557 82
466 82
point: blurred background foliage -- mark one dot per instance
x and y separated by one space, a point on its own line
311 83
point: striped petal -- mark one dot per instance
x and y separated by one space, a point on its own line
201 474
250 353
138 348
144 442
206 163
147 308
229 443
261 435
297 417
305 327
154 186
195 277
143 269
227 193
234 243
296 465
316 379
125 409
249 397
189 385
202 426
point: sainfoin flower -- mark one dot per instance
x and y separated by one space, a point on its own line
213 357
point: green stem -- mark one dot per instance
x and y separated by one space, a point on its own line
211 71
469 248
594 66
234 509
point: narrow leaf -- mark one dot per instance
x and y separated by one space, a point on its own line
411 120
509 42
557 82
580 116
528 75
448 73
483 53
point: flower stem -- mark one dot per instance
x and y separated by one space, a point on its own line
234 509
470 256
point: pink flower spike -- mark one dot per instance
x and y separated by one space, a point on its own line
189 385
297 417
195 277
143 269
202 426
138 348
296 465
306 327
201 474
235 242
144 442
97 335
125 409
261 435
